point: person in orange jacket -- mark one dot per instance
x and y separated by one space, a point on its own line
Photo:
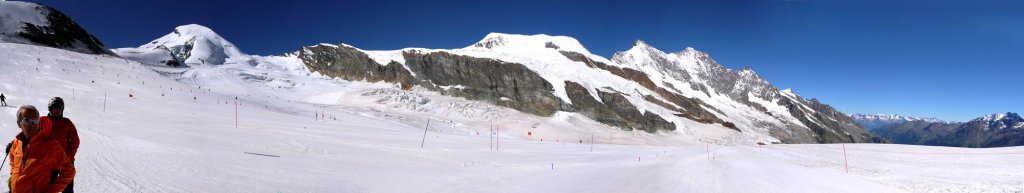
62 130
38 163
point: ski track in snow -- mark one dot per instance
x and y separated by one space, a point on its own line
172 143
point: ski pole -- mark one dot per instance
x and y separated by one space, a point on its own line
4 162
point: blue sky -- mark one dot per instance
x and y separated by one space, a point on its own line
955 60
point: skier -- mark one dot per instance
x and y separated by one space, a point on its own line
62 130
38 163
3 100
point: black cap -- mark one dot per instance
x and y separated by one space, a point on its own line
56 103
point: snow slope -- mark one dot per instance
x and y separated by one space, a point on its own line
164 140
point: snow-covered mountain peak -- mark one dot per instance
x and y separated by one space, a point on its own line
641 47
512 42
747 71
196 30
788 92
190 44
640 43
999 121
641 55
999 116
187 34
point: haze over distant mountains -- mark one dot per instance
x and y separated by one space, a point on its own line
994 130
874 121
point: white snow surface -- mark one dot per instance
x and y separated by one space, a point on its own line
164 140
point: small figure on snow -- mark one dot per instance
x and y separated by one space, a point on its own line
3 100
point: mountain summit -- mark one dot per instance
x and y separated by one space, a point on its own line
190 44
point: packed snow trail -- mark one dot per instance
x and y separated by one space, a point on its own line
162 140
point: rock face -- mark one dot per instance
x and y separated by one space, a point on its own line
30 23
801 121
351 64
501 83
689 108
997 130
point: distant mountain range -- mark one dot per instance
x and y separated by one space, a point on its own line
874 121
995 130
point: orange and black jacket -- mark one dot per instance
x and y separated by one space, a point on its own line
63 131
39 165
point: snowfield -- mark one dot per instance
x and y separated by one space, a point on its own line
173 136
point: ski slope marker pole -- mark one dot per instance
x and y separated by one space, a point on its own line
491 134
497 137
846 162
4 162
425 134
708 147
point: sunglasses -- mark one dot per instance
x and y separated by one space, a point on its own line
30 121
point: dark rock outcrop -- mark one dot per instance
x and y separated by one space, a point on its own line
586 105
351 64
500 83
